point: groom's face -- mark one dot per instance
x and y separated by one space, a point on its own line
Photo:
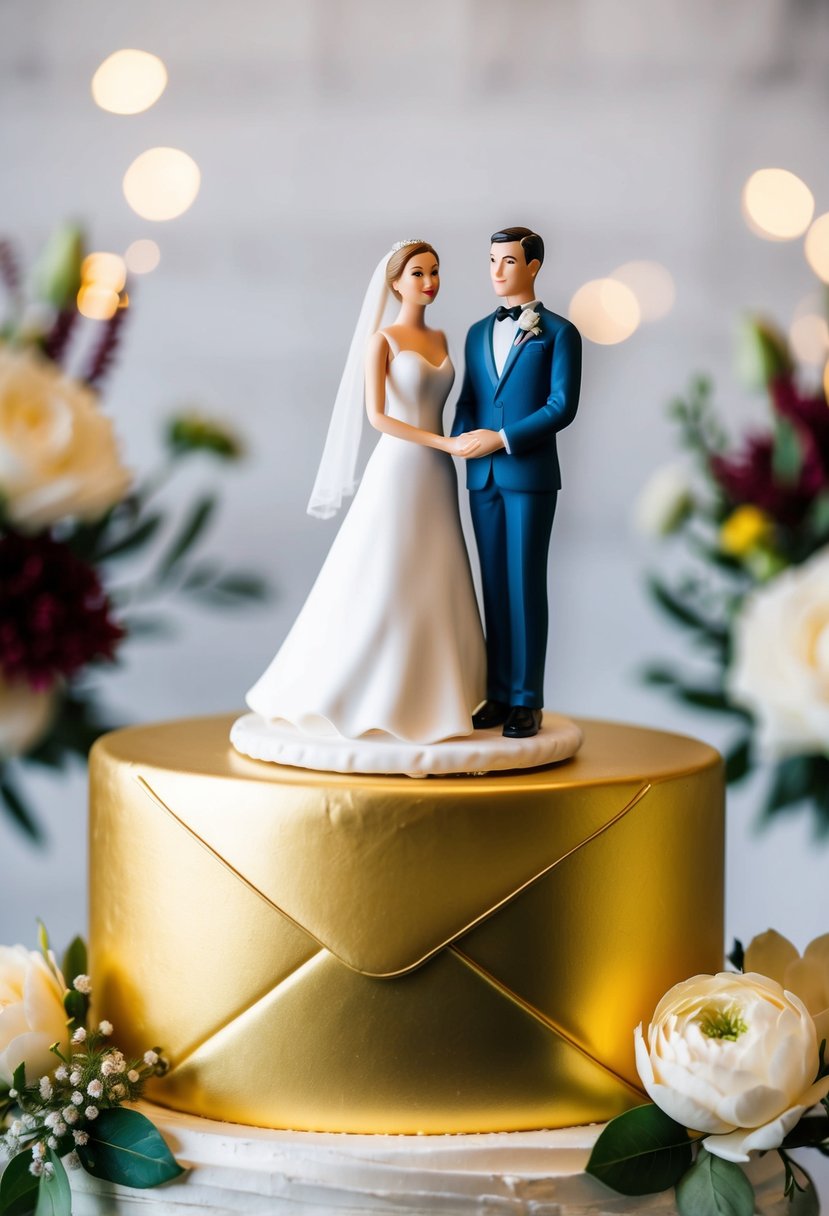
511 276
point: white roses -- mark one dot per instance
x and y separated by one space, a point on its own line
528 322
58 456
734 1056
32 1016
774 955
780 669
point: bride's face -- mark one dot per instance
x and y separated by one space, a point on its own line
419 281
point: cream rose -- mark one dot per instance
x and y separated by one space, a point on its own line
774 955
780 669
58 455
32 1016
24 716
734 1056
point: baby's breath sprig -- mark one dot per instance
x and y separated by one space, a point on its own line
57 1112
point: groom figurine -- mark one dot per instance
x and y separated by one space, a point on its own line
521 387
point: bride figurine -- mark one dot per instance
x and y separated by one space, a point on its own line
389 642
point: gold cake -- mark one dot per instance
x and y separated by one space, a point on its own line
384 954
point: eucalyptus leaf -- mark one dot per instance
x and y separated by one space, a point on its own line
18 1187
74 959
18 810
641 1152
130 541
714 1187
54 1197
126 1148
193 527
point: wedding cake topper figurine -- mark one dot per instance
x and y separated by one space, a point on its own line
523 373
385 665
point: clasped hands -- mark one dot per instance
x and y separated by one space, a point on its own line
472 444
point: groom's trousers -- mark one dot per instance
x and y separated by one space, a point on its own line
512 531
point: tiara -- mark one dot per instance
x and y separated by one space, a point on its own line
415 240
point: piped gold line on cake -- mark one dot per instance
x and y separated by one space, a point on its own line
545 1020
292 977
435 948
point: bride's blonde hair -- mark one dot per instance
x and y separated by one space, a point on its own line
397 262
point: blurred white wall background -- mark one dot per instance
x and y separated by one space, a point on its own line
327 129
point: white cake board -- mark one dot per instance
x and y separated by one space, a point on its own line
234 1169
484 751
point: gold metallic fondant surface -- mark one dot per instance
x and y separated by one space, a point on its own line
374 954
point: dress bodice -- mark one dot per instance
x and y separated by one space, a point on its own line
417 389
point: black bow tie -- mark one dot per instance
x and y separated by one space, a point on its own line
502 313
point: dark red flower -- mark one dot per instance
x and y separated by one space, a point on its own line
54 615
809 415
748 476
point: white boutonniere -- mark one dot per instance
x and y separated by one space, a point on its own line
528 324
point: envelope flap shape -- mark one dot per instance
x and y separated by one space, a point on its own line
384 872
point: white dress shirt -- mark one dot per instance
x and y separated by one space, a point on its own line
503 339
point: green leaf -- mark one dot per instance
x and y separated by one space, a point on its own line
18 1188
54 1198
805 1202
74 960
194 525
131 541
680 611
126 1148
19 811
787 457
641 1152
43 939
19 1077
738 761
737 955
714 1187
76 1006
793 782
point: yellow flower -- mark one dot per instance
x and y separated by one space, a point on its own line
745 529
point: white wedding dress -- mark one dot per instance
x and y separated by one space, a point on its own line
390 638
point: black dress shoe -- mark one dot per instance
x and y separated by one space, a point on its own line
522 723
491 713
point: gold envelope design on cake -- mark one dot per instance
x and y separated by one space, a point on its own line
379 957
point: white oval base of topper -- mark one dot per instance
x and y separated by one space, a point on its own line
484 751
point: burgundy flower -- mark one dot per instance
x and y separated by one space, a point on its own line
748 476
54 615
809 415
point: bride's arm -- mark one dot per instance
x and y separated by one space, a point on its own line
377 362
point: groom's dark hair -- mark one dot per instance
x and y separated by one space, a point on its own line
530 241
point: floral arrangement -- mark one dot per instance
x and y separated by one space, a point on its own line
73 517
63 1086
733 1064
754 596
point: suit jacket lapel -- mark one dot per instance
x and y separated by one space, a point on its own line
489 357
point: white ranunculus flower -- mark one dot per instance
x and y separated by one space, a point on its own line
58 455
664 500
780 668
774 955
32 1016
734 1056
24 716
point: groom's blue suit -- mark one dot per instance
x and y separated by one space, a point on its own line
513 492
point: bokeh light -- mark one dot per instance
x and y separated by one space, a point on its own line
817 247
104 270
129 81
809 338
605 311
652 284
777 205
162 183
142 256
97 302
